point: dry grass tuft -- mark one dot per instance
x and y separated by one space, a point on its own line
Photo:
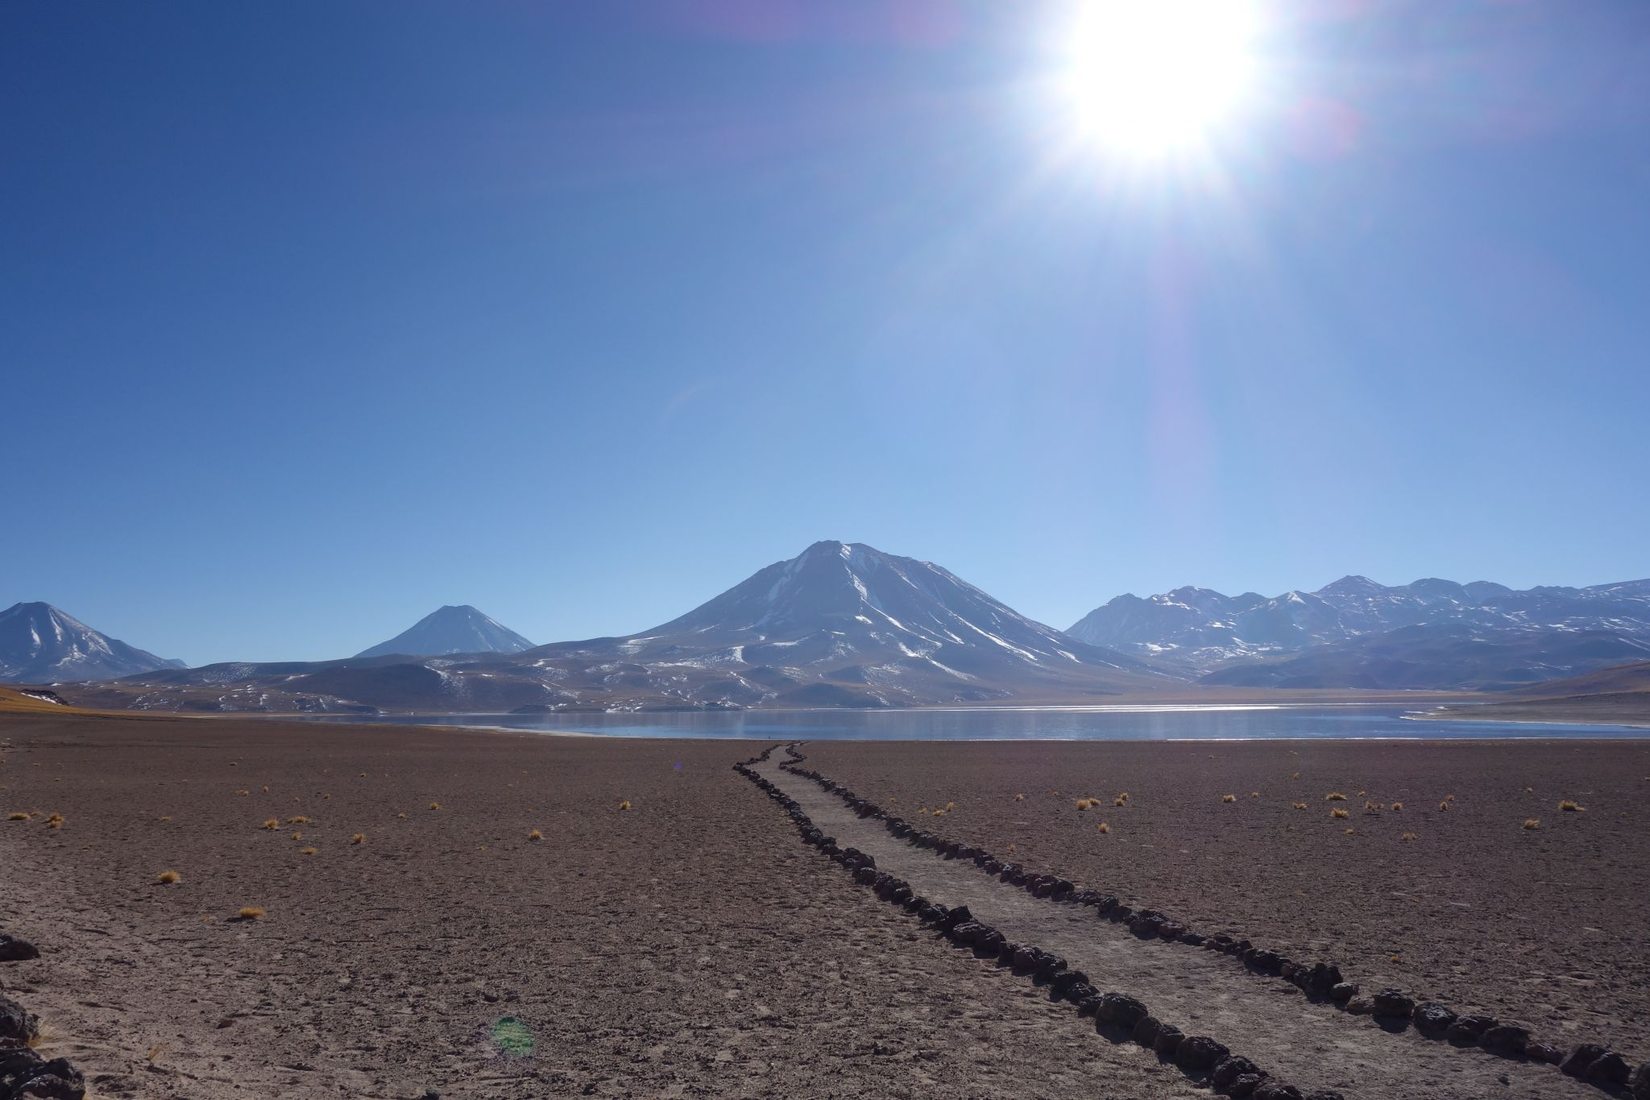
1298 805
55 821
1334 796
1019 798
1297 775
17 815
1085 803
1228 798
625 805
1102 828
297 836
308 851
1254 794
402 817
243 794
1532 823
535 835
1371 807
168 878
1396 806
358 838
1408 838
167 818
272 823
251 912
435 805
1349 832
1572 807
299 820
1444 805
1339 813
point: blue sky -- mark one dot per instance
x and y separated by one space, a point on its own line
319 315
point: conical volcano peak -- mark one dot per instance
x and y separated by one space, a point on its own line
452 628
41 644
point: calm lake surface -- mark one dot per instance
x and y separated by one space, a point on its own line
1028 723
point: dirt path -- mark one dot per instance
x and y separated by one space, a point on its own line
1270 1021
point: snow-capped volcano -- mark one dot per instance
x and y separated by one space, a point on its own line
845 622
40 644
450 629
852 591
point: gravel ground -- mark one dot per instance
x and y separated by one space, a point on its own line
1550 926
688 946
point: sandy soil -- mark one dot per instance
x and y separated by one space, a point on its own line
1549 926
689 946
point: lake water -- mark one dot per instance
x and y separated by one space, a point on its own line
1165 723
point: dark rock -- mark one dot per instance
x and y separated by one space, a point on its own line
1105 904
1244 1086
1324 1094
991 943
1580 1057
1432 1020
1360 1006
1610 1069
57 1080
1507 1040
1167 1044
1639 1083
1082 993
1320 979
1198 1052
1467 1030
1120 1009
1065 979
865 876
1146 1029
1192 938
17 1027
956 916
13 949
1171 931
24 1074
1049 965
1270 962
1342 992
1545 1052
1276 1090
1229 1069
965 932
1392 1002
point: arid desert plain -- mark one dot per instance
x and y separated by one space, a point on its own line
476 914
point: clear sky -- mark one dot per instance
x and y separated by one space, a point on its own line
317 315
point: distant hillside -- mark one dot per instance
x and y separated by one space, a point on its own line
450 629
1356 633
1619 695
41 645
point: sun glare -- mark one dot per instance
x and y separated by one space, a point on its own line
1152 77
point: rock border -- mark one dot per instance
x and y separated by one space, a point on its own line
1119 1016
1322 982
24 1075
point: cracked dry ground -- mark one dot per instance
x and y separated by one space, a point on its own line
686 947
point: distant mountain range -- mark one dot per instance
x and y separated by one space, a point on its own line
450 629
1431 634
844 624
40 644
841 624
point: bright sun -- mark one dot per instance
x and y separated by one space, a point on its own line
1153 77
